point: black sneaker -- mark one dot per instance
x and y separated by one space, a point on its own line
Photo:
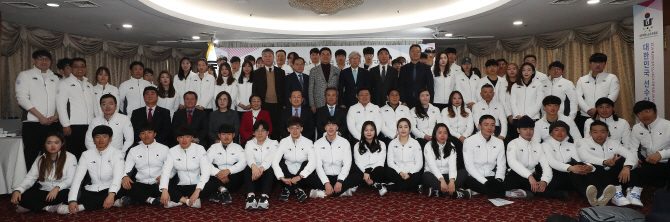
301 195
263 203
215 197
226 198
251 203
157 202
419 188
460 193
433 193
285 193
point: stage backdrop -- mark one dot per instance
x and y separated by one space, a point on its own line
649 81
394 50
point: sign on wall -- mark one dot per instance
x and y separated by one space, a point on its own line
649 83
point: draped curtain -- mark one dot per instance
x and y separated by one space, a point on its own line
573 48
19 42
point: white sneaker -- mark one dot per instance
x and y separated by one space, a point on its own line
118 203
619 199
608 194
473 193
196 204
592 195
354 189
251 203
382 191
634 196
347 193
263 203
317 193
63 209
172 204
20 209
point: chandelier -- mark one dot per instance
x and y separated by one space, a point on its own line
324 7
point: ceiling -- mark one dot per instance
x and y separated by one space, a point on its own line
374 18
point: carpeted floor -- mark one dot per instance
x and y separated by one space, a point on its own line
365 205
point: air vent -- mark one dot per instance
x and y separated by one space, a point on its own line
618 2
562 2
21 5
83 4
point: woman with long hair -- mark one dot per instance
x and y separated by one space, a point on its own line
441 174
54 171
103 87
527 94
370 156
226 82
185 70
404 159
457 117
244 84
203 85
425 117
168 95
443 79
505 95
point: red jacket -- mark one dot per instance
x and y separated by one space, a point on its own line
247 124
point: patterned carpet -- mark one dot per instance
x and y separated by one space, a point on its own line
365 205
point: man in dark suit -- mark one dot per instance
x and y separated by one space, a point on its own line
414 77
298 110
351 79
331 109
194 118
384 78
158 116
297 81
268 84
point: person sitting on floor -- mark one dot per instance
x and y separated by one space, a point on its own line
440 166
404 159
294 160
258 176
370 157
333 165
228 162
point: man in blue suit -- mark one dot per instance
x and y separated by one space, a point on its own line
351 79
296 81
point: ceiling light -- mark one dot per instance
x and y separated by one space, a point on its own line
127 25
323 14
593 1
196 37
324 7
53 4
518 23
216 41
448 35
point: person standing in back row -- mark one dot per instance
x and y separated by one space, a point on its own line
593 86
322 76
131 91
414 76
384 77
268 83
75 102
36 93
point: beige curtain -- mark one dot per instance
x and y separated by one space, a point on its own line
573 48
19 42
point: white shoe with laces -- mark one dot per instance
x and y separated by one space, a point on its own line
172 204
619 199
347 193
63 209
634 196
196 204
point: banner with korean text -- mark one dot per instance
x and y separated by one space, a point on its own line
649 81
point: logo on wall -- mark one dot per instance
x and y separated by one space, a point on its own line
647 27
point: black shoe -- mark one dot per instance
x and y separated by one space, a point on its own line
157 202
301 195
285 193
226 198
251 203
460 193
263 203
419 188
215 197
433 193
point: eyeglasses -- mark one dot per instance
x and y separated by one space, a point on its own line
415 51
43 59
557 69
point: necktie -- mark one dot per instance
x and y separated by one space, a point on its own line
150 115
414 72
301 82
383 73
355 75
332 112
190 115
296 112
270 69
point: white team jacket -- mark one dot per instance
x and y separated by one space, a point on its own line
261 155
652 139
391 118
180 85
34 91
231 158
357 115
50 182
481 157
523 156
443 87
483 81
619 130
148 160
203 87
527 99
104 167
591 152
542 129
332 158
131 93
459 125
81 98
563 88
589 90
171 104
123 137
495 109
190 164
99 92
559 154
424 126
466 86
243 94
370 160
442 165
232 89
294 154
405 159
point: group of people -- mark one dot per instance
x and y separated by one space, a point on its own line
430 125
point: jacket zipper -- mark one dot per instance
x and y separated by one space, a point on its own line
187 170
